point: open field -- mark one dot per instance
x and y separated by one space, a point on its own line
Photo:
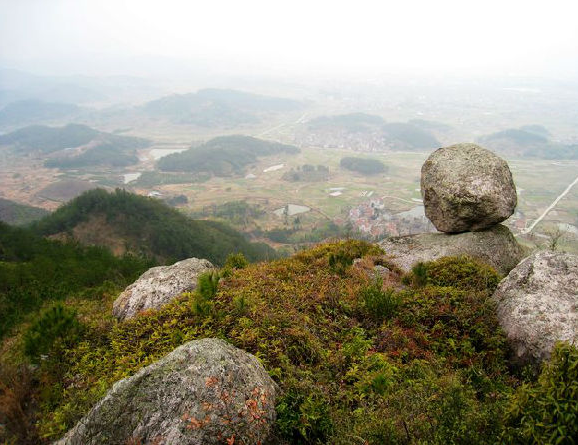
539 183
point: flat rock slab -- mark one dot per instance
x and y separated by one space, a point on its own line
204 392
538 304
466 187
158 286
496 247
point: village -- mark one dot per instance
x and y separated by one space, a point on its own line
372 219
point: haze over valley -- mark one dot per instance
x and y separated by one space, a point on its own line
239 153
293 223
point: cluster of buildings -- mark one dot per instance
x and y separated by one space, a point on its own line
365 142
373 220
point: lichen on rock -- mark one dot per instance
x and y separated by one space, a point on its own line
537 305
466 187
495 246
204 392
159 285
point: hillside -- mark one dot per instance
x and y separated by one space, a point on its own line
35 271
32 111
65 190
74 145
216 107
363 165
43 139
130 223
223 156
19 214
366 132
103 154
532 141
359 357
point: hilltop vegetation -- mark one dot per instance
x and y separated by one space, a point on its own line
366 132
223 156
92 147
519 136
26 111
353 122
43 139
148 227
215 107
409 136
19 214
360 358
531 141
363 165
105 154
35 271
307 173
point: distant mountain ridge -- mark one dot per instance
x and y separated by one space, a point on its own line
531 141
33 111
125 222
216 107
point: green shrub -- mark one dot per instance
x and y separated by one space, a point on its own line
233 262
547 412
236 261
462 272
339 262
207 285
377 303
57 323
419 272
304 417
434 372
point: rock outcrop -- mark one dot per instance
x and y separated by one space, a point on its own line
204 392
495 246
466 188
159 285
467 191
537 304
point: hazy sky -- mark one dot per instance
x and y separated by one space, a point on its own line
316 37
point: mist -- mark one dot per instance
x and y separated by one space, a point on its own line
325 39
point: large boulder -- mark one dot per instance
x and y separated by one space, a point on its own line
537 305
159 285
204 392
466 187
496 247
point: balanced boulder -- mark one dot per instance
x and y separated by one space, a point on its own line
159 285
537 304
204 392
495 246
466 188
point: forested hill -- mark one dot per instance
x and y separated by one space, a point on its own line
224 156
35 271
19 214
217 107
126 222
43 139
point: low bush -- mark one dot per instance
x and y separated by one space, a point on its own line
356 364
547 411
59 324
378 303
